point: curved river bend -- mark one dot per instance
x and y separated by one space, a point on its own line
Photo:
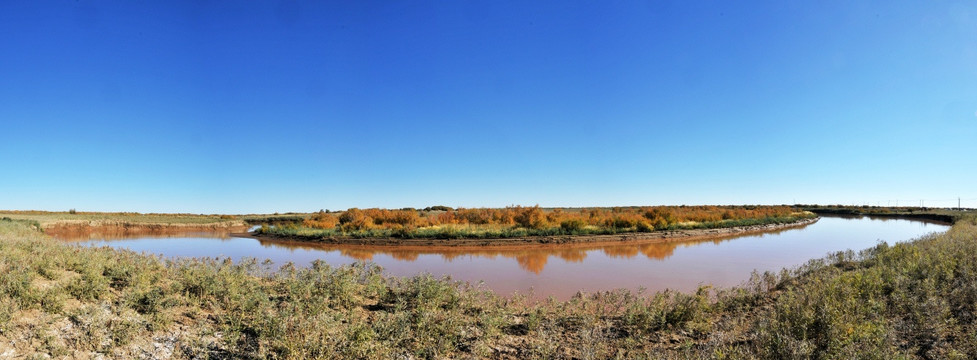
562 270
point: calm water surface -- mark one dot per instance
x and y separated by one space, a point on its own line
563 270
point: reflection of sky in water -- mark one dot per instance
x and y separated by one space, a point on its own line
562 270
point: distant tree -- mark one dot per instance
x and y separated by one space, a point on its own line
438 208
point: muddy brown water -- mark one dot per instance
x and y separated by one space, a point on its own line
555 270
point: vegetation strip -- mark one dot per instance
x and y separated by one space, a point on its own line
519 224
516 237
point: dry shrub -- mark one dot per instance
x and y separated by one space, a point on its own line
355 219
531 217
321 220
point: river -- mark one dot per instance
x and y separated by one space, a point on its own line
561 270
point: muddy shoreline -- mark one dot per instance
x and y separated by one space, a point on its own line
651 237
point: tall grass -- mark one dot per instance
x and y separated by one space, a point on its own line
909 300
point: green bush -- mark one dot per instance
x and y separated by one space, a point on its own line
644 226
572 226
89 287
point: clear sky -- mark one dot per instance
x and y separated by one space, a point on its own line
261 106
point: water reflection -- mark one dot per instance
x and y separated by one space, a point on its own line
529 258
532 258
113 233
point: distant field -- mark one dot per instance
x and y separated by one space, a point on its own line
47 218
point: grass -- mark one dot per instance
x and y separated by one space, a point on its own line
909 300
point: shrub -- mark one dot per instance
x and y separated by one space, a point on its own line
321 220
89 286
403 217
643 226
659 223
355 219
531 217
573 225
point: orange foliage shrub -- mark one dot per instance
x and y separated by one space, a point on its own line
355 219
530 217
572 225
626 220
444 218
475 216
321 220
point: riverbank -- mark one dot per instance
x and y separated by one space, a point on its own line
649 237
909 300
85 225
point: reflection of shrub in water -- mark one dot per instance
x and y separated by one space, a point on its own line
621 251
533 262
659 251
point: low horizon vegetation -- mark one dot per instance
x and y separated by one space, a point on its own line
46 218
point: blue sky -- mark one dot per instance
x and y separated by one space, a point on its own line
245 107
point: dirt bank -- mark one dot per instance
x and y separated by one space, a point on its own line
657 236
